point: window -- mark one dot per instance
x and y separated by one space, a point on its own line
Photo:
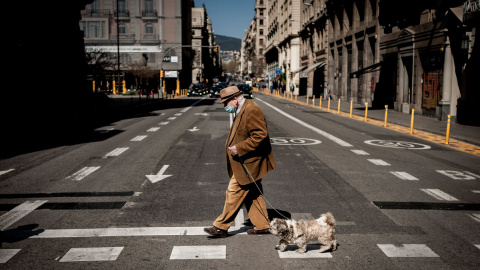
261 32
122 5
261 22
261 41
122 29
149 5
93 29
149 29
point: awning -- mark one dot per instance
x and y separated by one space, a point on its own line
298 69
364 70
312 67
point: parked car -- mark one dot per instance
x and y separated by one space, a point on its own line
197 89
246 89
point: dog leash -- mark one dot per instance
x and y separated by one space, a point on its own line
259 189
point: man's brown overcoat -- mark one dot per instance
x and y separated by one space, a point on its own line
249 134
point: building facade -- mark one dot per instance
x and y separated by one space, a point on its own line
205 61
148 33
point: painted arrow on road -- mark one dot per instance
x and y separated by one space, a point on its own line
159 176
194 129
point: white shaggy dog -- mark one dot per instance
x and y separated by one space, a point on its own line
301 232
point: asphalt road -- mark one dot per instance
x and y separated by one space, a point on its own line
138 195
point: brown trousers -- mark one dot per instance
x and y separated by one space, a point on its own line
253 200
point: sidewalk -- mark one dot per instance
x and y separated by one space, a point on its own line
423 126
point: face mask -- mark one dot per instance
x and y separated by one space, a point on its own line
230 109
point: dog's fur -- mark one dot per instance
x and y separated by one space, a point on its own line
302 232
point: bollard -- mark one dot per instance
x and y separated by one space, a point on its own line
328 103
338 106
296 98
366 111
411 123
284 94
320 103
448 130
351 107
386 114
313 101
307 100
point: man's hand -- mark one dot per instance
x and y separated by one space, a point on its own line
233 149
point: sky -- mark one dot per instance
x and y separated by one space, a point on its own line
229 17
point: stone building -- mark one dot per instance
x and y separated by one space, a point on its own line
205 58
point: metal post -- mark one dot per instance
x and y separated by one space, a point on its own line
351 107
386 114
448 130
366 111
338 111
411 123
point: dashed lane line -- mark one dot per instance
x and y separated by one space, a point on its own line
82 173
407 250
439 195
92 254
404 176
117 152
379 162
6 171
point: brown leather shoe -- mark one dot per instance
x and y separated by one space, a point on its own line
253 231
216 232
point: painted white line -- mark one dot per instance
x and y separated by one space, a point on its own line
407 250
193 129
164 123
92 254
178 114
18 212
439 195
116 152
379 162
153 129
317 130
360 152
476 191
159 176
7 254
83 173
139 138
404 176
115 232
171 118
478 246
312 252
199 253
188 108
104 130
7 171
475 217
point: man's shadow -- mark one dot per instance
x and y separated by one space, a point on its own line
19 234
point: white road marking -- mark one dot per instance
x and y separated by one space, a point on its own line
455 175
478 246
360 152
92 254
159 176
312 252
164 123
171 118
18 213
404 176
83 173
407 250
475 217
439 195
476 191
139 138
153 129
379 162
7 254
317 130
116 152
188 108
7 171
202 114
199 253
193 129
115 232
178 114
104 130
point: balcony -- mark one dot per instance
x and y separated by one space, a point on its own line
150 39
122 14
96 13
149 13
122 37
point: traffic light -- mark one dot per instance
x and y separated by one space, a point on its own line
161 73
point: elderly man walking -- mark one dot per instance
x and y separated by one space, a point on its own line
248 144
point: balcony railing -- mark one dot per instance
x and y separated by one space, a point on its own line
149 13
96 13
122 36
150 36
122 13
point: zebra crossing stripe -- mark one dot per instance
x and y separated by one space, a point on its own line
92 254
407 250
7 171
83 173
7 254
475 217
138 138
198 252
404 176
379 162
153 129
439 195
19 212
312 252
116 152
